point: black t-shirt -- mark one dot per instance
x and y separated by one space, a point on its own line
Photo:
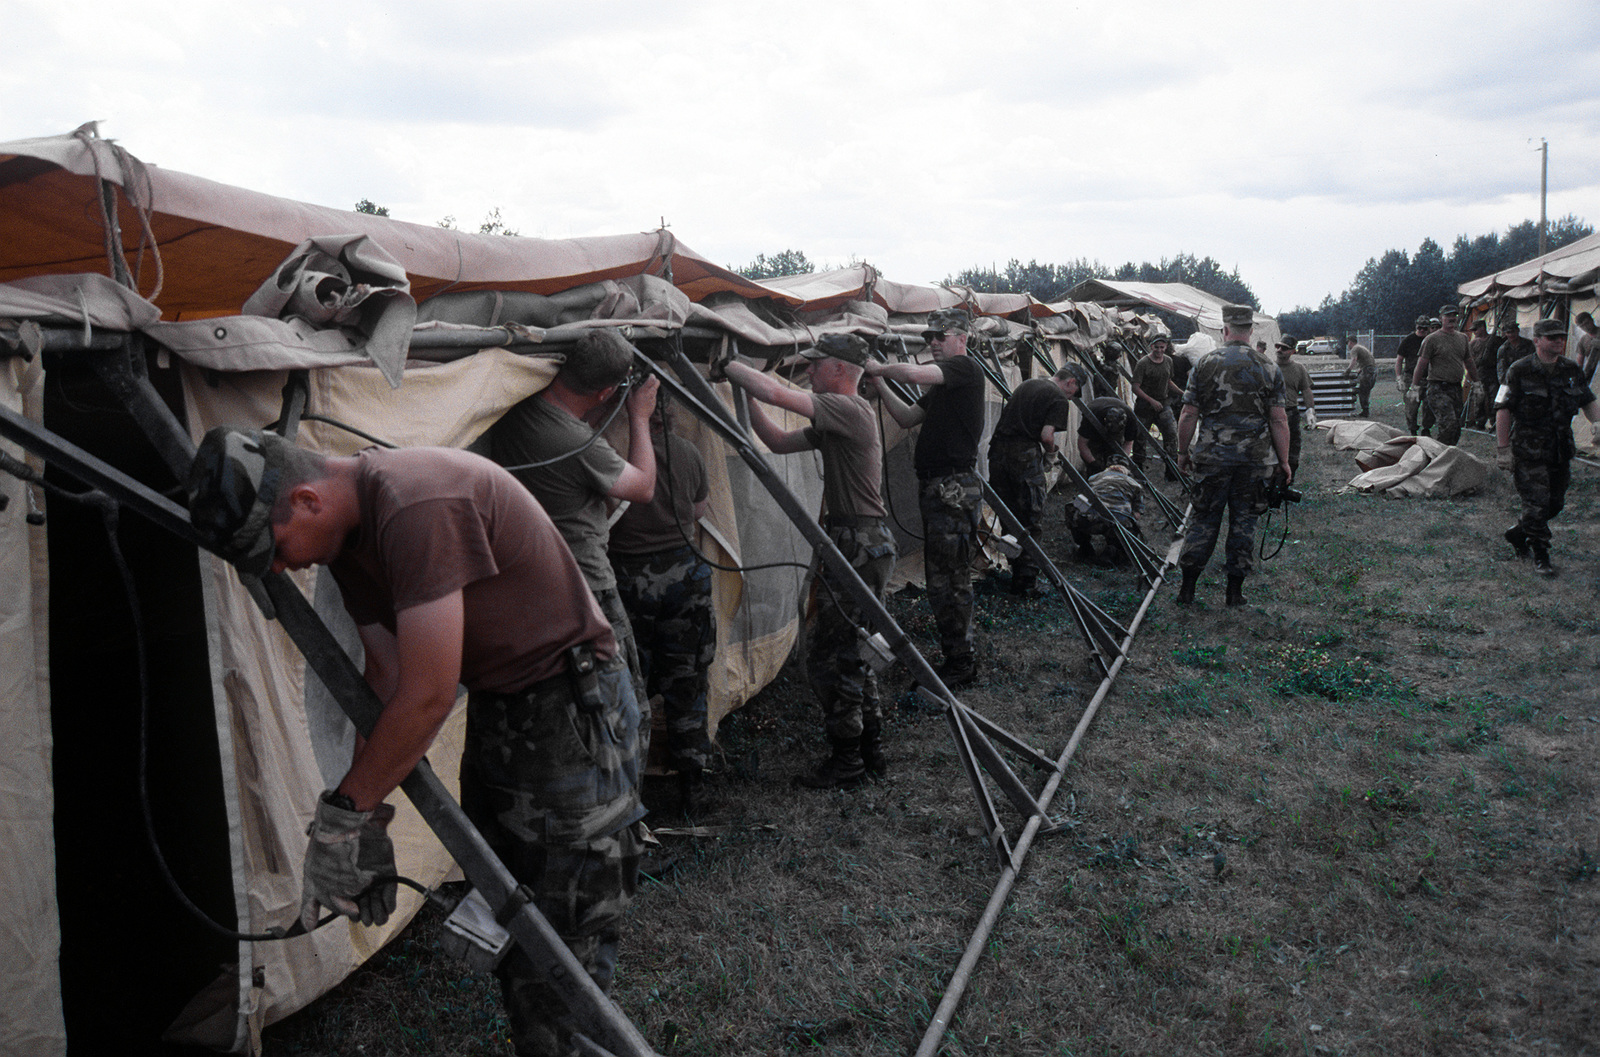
1410 348
1035 404
953 426
1119 424
1180 369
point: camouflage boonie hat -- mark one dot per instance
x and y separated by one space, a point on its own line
946 320
232 485
1549 328
851 348
1238 315
1423 321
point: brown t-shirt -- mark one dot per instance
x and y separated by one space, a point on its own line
438 520
1154 378
1297 391
1447 352
846 432
573 491
646 528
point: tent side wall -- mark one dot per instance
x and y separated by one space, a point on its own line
31 1023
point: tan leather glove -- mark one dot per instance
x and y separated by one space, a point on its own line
346 852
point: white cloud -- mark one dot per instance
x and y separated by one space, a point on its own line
1292 139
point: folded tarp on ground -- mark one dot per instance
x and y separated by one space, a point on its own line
1406 467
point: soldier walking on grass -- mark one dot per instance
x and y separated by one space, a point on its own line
845 429
1365 368
1405 365
665 587
1026 430
1299 398
1533 426
1236 398
1442 362
949 491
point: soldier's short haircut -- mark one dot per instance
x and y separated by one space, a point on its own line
600 359
299 466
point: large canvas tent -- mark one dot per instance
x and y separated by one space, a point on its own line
240 738
1560 284
1179 298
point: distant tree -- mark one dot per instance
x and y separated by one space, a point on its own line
493 225
367 205
448 222
784 262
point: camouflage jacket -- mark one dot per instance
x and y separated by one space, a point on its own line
1235 389
1542 400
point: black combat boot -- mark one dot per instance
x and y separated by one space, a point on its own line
958 671
841 770
1541 558
1186 592
872 758
1518 540
1235 590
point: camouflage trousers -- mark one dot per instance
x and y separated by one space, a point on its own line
1445 404
1542 484
1085 525
843 682
1016 473
668 598
1163 421
1239 491
950 529
628 649
1366 378
552 783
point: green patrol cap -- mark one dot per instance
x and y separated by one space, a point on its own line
1549 328
232 485
1238 315
1449 310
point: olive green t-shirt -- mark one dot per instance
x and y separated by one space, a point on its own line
845 430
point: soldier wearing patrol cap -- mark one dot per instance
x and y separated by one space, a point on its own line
845 429
1405 365
951 413
1025 432
440 557
1236 399
1533 427
1443 361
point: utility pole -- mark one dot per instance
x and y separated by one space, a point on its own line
1544 186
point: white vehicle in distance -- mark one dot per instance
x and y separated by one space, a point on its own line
1318 347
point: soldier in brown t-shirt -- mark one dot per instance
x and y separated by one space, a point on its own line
436 553
1441 363
845 429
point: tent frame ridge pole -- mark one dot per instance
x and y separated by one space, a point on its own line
589 1006
962 976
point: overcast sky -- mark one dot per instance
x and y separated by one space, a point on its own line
1294 140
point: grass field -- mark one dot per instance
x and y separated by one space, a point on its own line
1356 816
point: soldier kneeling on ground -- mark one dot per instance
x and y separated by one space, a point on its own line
1123 497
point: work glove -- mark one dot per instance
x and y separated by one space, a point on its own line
1502 458
1311 418
347 850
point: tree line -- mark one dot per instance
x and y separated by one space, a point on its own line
1391 291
